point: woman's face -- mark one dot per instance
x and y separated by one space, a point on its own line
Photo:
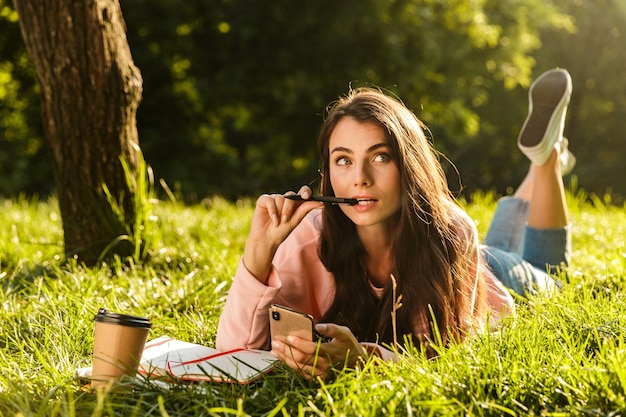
362 166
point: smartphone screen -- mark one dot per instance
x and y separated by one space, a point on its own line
285 321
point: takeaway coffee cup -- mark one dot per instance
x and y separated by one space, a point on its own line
119 340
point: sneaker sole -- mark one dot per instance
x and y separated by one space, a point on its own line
545 98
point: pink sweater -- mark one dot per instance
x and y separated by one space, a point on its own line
299 280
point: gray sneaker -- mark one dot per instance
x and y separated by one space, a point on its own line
566 157
548 98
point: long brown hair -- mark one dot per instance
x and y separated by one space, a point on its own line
434 247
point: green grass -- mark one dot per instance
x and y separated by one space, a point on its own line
560 355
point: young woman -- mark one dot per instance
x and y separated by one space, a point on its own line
347 265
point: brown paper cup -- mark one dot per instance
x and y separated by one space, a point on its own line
119 340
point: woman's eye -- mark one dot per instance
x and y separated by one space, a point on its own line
382 157
342 161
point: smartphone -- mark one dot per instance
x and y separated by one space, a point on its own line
285 321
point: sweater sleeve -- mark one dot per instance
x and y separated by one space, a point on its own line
374 349
498 300
243 322
297 279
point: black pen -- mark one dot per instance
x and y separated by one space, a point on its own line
324 199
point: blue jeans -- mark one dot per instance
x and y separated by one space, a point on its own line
520 256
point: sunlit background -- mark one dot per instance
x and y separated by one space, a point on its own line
234 90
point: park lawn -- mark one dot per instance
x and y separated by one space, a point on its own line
563 354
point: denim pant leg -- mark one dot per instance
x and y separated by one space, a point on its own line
520 255
508 226
511 269
548 249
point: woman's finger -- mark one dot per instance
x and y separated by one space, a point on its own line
305 191
268 203
287 207
299 350
299 353
344 347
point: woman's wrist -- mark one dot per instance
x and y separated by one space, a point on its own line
257 258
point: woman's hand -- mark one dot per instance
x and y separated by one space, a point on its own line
313 359
273 220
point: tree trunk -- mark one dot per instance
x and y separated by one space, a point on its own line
90 91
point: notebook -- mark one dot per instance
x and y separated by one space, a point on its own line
169 358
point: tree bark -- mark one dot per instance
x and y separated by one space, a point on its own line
90 92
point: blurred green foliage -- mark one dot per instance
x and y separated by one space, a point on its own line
234 90
24 163
597 61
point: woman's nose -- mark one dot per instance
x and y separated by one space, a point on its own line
362 175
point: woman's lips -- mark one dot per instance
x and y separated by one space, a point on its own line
366 201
